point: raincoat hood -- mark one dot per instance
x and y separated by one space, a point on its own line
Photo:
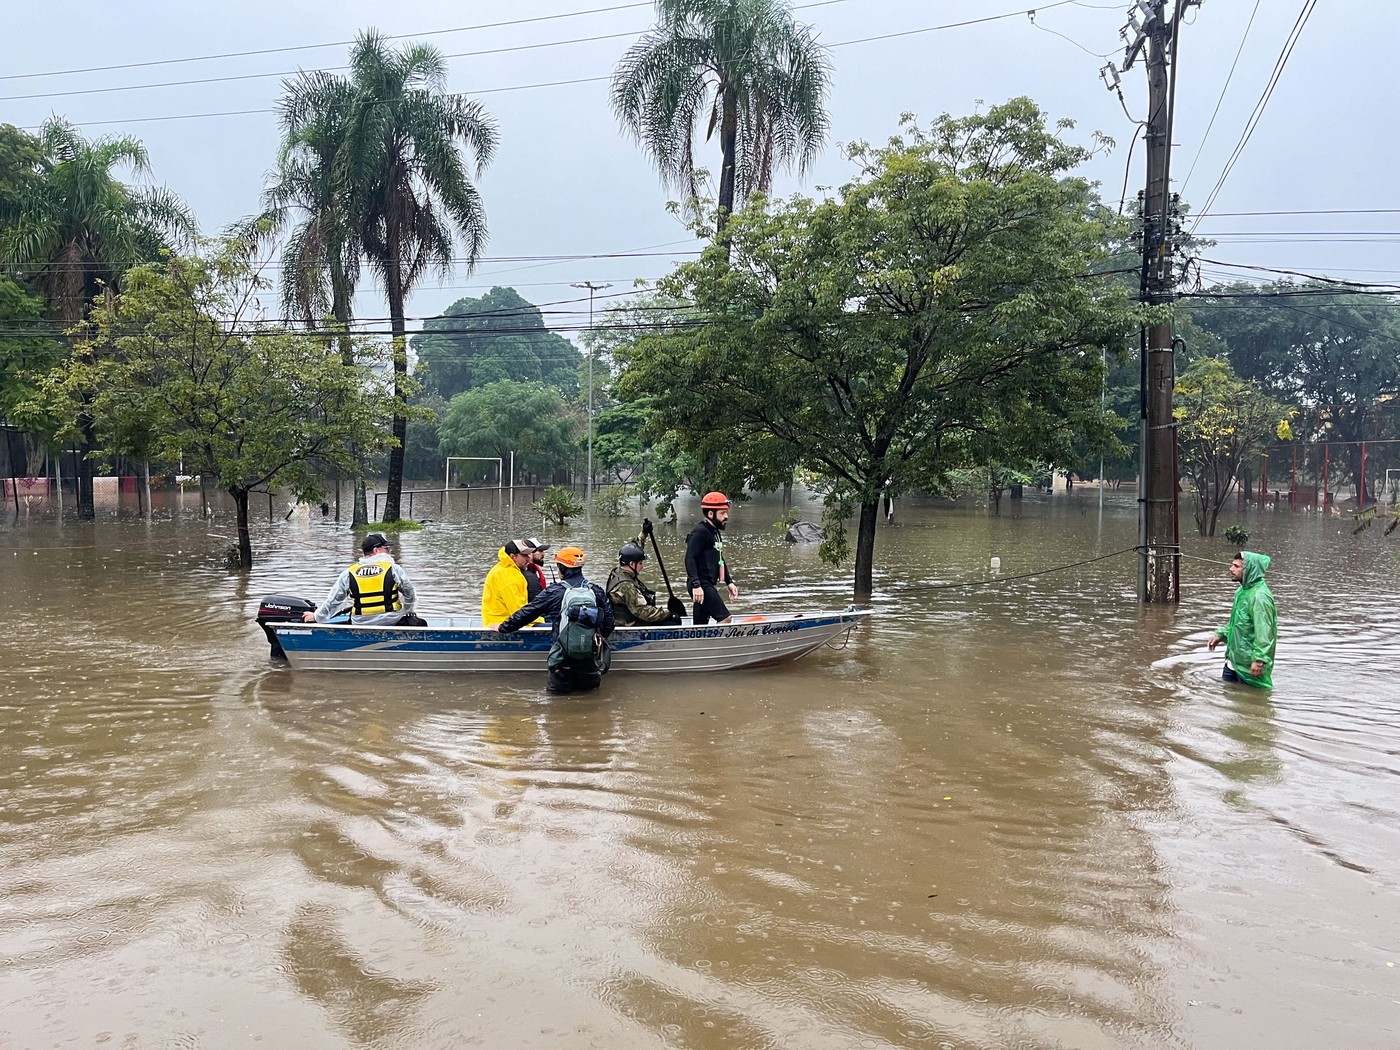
502 558
1255 566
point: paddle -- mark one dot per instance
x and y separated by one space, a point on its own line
674 605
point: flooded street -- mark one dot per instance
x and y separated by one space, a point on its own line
1021 814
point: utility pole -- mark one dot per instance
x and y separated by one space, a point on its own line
592 288
1159 539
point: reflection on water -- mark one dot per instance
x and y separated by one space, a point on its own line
1023 814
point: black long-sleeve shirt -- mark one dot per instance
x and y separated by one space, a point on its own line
704 549
548 602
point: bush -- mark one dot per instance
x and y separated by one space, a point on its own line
1236 534
611 501
559 504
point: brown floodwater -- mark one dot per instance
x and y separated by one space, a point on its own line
1020 814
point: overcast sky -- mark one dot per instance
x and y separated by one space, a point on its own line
567 182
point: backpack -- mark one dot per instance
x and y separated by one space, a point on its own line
578 622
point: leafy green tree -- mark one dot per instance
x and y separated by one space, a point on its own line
78 229
180 367
559 503
21 170
422 451
1335 355
745 70
529 419
29 345
1222 421
619 447
499 335
935 314
407 190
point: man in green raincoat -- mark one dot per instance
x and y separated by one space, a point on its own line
1252 633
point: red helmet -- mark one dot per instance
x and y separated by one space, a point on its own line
715 500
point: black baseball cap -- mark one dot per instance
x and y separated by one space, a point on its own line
537 544
374 539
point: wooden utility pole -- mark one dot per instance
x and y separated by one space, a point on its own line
1159 538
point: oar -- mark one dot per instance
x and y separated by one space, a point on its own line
674 605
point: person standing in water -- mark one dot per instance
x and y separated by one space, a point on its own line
1252 633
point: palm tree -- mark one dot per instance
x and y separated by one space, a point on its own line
320 255
752 74
80 228
407 192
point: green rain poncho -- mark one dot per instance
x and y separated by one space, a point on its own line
1252 633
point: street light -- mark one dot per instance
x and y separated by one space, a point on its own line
591 289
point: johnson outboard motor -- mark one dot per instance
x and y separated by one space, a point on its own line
281 608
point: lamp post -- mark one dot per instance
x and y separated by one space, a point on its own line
591 289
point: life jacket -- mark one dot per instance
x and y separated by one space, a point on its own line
578 622
374 588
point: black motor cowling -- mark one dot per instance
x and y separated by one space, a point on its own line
281 608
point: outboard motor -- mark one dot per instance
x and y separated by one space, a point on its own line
280 608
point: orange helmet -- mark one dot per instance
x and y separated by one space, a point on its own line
569 557
715 500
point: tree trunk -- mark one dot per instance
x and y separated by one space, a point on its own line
87 508
394 290
245 545
340 307
144 494
35 455
865 551
728 140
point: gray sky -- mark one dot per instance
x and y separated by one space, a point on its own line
567 182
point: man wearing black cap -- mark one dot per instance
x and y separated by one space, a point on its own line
534 568
505 589
378 591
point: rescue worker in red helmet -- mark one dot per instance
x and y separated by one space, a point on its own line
705 568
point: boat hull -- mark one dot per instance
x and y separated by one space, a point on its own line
452 644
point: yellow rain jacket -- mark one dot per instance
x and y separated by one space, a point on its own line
505 591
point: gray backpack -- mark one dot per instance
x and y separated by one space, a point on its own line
578 623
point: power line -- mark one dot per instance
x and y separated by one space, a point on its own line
513 87
1259 107
312 47
1221 99
1316 211
1299 273
332 69
274 264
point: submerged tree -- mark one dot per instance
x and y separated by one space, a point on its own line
938 313
1222 422
181 367
745 70
77 229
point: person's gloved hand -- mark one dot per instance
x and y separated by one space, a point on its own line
646 527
